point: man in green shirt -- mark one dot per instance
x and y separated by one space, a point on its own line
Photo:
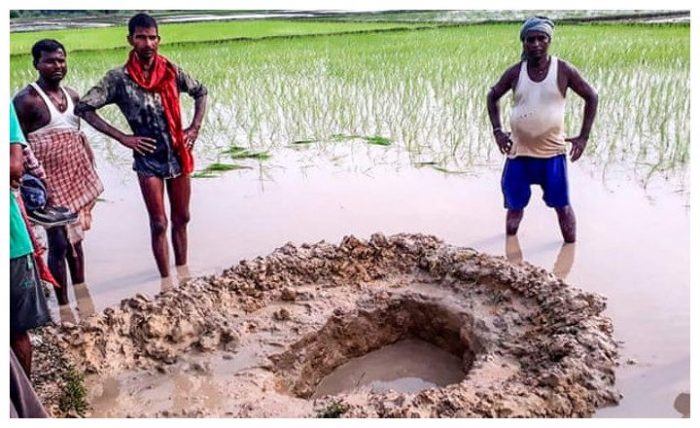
28 308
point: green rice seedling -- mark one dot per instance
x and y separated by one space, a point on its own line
378 141
234 149
247 154
222 167
447 171
204 174
424 163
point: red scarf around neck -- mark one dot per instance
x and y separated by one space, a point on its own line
162 80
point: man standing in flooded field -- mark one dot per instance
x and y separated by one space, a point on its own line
536 148
45 111
147 90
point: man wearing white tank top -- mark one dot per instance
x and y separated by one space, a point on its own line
536 146
45 112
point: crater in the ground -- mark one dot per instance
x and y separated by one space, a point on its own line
522 342
348 336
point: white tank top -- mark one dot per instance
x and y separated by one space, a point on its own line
58 120
537 115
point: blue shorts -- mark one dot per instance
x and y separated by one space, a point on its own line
521 172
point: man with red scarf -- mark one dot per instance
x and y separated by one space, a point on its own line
146 89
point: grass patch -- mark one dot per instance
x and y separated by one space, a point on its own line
73 398
334 409
247 154
378 141
85 39
213 170
447 171
222 167
205 174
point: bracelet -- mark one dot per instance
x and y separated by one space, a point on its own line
497 129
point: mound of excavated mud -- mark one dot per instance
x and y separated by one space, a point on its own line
531 346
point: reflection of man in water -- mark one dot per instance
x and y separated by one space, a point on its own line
45 111
537 148
562 265
147 90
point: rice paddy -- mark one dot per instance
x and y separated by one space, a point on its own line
421 92
318 136
82 39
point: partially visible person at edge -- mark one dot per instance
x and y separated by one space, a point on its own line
24 403
536 146
147 89
45 111
28 308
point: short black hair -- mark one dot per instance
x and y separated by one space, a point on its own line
142 20
45 45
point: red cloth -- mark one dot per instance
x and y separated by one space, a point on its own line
42 267
163 80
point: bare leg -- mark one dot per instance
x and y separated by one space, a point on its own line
66 314
179 191
76 263
514 253
19 342
513 218
58 249
567 223
565 260
166 283
183 273
86 306
152 191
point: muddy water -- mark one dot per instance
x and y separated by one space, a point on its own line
633 244
409 365
196 381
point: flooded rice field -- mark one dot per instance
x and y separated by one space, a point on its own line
368 135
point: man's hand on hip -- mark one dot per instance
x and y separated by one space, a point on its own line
142 145
191 135
503 140
578 145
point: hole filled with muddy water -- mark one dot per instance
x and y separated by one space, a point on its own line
409 366
408 346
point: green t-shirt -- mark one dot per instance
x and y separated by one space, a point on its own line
20 243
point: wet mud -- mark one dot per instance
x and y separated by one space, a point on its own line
409 365
258 340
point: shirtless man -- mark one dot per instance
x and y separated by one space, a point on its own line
45 112
536 148
147 90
